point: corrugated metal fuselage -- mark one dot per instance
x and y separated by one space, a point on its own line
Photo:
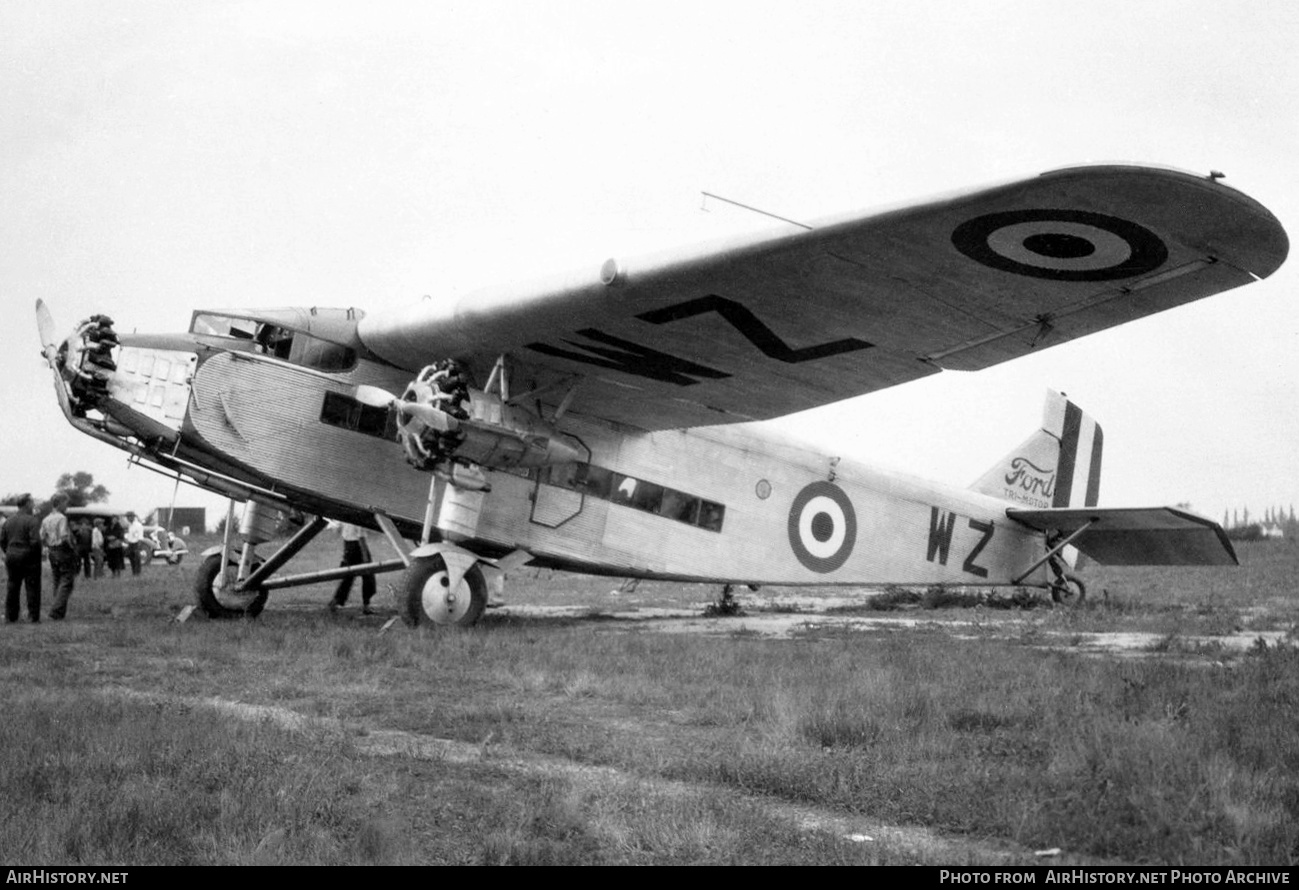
729 503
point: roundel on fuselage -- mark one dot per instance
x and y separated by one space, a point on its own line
822 527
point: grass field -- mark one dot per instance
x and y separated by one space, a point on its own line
970 735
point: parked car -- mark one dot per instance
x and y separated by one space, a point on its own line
160 544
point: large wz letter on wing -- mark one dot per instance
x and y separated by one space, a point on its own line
752 327
632 358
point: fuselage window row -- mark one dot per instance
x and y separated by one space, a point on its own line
628 491
347 413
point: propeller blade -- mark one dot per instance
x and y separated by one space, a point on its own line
432 417
373 396
45 327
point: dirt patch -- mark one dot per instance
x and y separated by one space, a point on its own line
901 839
804 618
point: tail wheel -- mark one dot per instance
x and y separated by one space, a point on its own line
215 593
1069 590
427 597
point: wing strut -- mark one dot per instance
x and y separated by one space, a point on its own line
500 374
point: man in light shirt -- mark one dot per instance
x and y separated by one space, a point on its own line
134 537
56 537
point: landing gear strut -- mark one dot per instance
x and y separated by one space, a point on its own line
222 587
1065 589
234 583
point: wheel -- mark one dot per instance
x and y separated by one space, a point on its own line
145 549
1072 592
212 590
426 595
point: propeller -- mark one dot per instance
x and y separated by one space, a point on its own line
45 327
375 397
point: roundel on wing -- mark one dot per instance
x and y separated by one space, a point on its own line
1063 245
822 527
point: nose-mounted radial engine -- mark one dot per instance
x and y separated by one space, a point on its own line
86 361
135 394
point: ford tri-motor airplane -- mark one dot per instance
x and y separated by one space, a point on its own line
604 421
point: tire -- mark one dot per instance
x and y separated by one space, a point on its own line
426 599
1071 593
215 601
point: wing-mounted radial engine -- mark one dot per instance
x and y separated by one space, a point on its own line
455 432
443 423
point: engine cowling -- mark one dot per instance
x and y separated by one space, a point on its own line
441 421
85 360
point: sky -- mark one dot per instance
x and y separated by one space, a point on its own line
157 157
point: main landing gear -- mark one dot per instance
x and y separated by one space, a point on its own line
440 584
216 590
430 594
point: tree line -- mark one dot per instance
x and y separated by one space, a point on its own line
80 487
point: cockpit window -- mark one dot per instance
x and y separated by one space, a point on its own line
223 326
288 344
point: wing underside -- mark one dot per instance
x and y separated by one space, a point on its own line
1141 536
777 323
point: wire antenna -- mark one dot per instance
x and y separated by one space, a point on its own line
786 219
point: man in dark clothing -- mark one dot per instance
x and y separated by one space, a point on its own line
356 551
81 541
20 539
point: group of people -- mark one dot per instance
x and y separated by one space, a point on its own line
99 545
72 547
85 546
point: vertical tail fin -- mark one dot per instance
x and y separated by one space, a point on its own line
1057 466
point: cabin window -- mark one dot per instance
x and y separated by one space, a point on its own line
679 506
597 481
711 515
347 413
628 491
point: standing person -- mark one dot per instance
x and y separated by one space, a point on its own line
57 539
134 537
113 534
20 539
356 551
97 549
81 542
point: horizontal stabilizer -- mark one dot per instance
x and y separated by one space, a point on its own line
1136 536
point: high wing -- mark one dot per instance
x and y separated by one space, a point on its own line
771 324
1136 536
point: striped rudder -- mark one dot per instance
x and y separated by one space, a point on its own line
1057 466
